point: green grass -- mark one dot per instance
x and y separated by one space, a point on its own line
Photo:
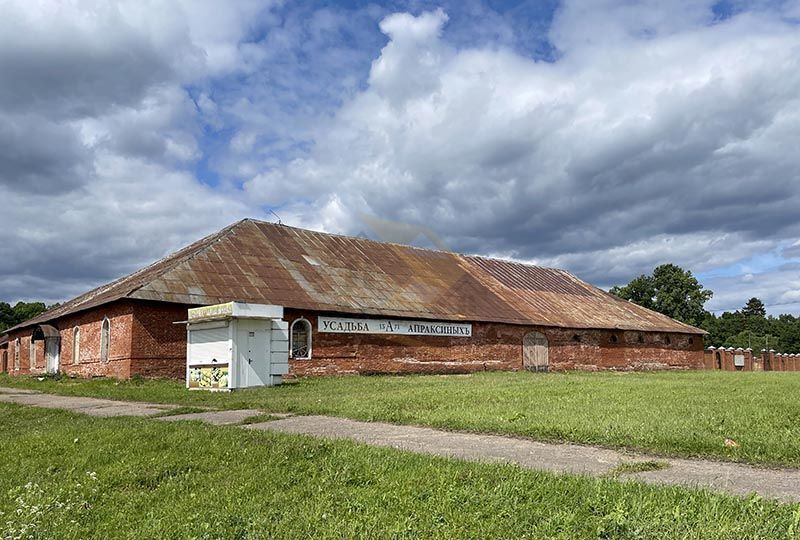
69 476
637 467
177 411
668 413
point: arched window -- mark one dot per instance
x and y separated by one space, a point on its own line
17 346
76 345
105 340
32 353
300 339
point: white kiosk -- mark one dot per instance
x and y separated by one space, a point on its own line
236 345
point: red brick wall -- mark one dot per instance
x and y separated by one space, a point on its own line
723 359
144 341
159 346
90 322
780 362
622 350
25 353
493 347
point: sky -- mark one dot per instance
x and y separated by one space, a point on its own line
599 136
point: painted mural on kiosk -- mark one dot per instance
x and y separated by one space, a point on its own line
209 377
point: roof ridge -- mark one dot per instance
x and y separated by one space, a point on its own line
340 235
522 263
408 246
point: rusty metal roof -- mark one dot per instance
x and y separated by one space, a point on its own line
255 261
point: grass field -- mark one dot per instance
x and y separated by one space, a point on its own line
686 414
68 476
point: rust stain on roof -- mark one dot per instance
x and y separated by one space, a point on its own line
255 261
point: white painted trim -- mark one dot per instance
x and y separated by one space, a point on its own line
107 359
31 353
76 345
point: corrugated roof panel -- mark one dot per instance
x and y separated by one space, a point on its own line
262 262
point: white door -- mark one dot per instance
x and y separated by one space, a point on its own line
534 352
52 350
253 353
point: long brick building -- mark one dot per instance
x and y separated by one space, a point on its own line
354 306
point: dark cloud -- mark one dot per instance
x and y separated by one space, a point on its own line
68 79
97 134
41 157
77 61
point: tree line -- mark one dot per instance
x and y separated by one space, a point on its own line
20 312
675 292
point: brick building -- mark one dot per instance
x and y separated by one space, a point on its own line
354 306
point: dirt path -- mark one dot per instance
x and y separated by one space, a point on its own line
732 478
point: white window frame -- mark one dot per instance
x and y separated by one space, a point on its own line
306 322
32 353
76 345
105 340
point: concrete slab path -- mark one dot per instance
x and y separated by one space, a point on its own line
83 405
217 418
732 478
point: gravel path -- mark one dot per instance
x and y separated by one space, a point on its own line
732 478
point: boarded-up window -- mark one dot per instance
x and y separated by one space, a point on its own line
300 338
17 345
32 352
534 352
105 339
76 345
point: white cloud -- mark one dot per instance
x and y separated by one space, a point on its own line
657 133
99 136
663 137
778 288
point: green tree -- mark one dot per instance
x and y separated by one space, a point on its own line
6 316
28 310
736 329
21 312
754 308
641 290
670 290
